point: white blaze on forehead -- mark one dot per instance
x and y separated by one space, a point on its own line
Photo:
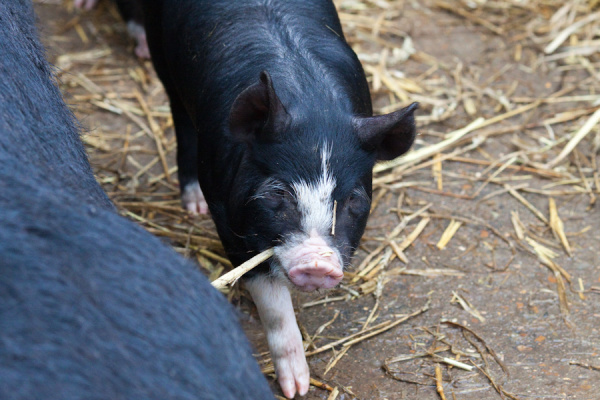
314 199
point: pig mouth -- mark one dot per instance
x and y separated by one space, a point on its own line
312 276
311 264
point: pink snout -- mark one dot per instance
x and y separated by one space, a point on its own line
318 276
314 265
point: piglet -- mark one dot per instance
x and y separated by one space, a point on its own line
276 137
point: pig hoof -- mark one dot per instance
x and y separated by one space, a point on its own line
293 375
142 51
193 199
85 4
138 32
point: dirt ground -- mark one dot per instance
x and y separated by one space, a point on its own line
535 310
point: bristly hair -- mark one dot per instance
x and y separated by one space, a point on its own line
268 186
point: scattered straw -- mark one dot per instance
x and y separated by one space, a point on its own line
439 385
455 363
564 35
429 151
368 333
448 234
466 305
321 385
232 276
527 204
581 133
557 226
585 365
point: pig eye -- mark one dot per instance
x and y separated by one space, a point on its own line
276 198
358 202
354 200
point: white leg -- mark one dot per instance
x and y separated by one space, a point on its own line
138 32
274 303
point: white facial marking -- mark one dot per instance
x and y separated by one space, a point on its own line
308 257
315 199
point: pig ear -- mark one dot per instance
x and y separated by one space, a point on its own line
257 112
390 135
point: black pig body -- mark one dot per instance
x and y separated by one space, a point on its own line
274 121
37 131
94 307
91 305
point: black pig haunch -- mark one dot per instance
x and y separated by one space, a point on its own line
91 305
275 133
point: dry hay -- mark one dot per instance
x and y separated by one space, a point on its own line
555 140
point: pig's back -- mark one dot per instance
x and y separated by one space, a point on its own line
224 45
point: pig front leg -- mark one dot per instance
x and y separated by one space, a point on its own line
192 198
274 303
138 33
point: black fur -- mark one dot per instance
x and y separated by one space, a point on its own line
131 10
91 305
37 129
210 55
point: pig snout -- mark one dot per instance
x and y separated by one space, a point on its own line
313 264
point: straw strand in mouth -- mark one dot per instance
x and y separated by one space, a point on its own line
232 276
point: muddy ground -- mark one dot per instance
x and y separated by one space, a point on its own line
548 353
